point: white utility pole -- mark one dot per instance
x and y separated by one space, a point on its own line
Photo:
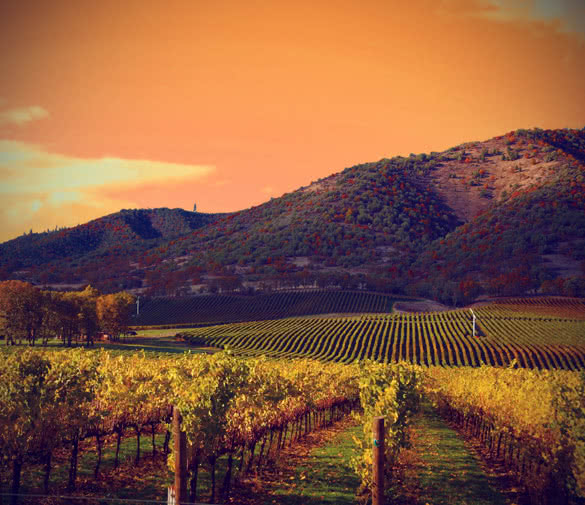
138 306
473 314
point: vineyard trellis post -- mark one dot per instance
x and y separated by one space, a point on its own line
378 461
180 441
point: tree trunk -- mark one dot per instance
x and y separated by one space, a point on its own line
137 459
153 441
259 462
194 475
270 444
242 456
118 441
498 445
48 458
251 460
167 442
73 465
228 477
16 469
98 443
212 462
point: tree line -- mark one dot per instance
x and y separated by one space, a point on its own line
30 314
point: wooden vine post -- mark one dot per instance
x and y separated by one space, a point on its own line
378 461
178 493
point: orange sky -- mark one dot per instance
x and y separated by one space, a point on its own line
107 104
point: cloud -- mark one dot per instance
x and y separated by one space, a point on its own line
41 190
19 116
567 15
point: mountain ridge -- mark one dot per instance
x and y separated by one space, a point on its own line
399 220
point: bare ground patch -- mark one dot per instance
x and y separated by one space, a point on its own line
421 306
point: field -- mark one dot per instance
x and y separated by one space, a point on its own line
281 412
215 309
554 306
503 336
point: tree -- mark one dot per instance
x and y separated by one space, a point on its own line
87 313
21 313
114 312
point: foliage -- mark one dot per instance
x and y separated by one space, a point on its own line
114 312
52 400
20 316
28 313
538 416
394 393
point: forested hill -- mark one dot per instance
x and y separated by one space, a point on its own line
501 216
128 230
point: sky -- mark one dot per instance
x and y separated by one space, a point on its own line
107 105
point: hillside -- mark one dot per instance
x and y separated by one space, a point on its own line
69 255
532 236
502 216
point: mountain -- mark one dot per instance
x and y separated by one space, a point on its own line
531 236
501 216
68 255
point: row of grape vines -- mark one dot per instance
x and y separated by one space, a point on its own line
531 421
555 306
443 338
53 401
212 309
550 301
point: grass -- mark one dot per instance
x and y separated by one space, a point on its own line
445 472
316 471
147 481
149 341
326 476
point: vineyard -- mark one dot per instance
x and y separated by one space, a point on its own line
215 309
244 411
445 338
532 421
572 308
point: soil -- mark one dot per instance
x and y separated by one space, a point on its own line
452 178
422 306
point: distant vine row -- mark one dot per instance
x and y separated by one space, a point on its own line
214 309
443 338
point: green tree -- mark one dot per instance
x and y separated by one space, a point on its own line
114 312
21 313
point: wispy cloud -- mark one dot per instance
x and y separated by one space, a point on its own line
40 189
20 116
568 15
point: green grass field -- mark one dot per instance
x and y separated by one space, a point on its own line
150 341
